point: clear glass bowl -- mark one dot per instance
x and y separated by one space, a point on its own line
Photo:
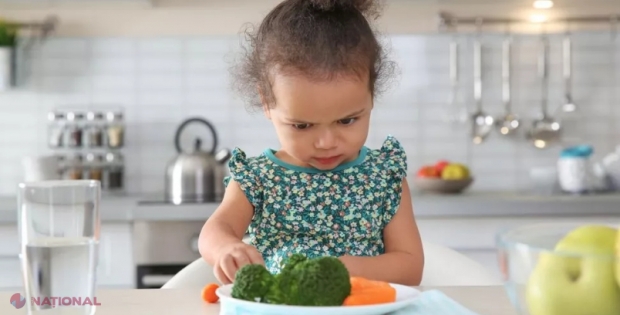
572 279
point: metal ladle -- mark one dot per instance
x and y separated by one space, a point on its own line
482 123
544 131
508 124
569 106
456 115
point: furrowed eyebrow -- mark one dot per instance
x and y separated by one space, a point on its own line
354 114
296 121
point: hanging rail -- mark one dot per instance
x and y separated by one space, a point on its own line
447 20
45 27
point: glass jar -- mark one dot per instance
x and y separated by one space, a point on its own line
93 131
115 130
94 166
574 172
74 168
56 129
114 171
74 130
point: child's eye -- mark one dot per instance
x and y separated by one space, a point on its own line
301 126
347 121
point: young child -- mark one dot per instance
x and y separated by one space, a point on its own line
314 69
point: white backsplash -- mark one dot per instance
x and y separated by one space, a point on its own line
162 81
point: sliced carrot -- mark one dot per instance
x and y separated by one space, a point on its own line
359 283
208 293
369 296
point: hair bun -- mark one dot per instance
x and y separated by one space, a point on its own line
366 7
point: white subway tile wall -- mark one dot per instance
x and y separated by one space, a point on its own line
162 81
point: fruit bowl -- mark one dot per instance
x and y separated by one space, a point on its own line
562 268
442 186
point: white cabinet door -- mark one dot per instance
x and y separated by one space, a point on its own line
10 274
116 268
10 269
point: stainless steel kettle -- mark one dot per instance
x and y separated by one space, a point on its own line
197 176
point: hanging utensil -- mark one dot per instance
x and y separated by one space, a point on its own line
456 114
454 82
569 105
508 124
544 131
482 123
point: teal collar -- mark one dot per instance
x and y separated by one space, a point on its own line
270 154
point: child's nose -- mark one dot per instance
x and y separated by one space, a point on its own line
327 140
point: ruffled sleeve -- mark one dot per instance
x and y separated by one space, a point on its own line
243 171
395 164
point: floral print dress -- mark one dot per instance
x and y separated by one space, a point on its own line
320 213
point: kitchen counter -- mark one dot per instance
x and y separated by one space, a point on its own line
515 205
124 208
482 300
115 208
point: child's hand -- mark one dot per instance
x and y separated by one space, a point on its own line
232 258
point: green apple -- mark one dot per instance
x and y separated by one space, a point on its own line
562 284
455 171
618 258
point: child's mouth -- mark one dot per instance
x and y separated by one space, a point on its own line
328 160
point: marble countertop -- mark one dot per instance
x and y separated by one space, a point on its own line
469 205
481 300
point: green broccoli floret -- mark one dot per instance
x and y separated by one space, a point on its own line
322 281
252 283
284 281
292 261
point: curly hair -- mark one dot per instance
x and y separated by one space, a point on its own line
319 39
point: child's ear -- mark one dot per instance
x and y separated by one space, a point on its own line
266 111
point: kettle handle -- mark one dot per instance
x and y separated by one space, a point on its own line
177 136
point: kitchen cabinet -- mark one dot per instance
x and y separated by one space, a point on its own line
467 224
10 270
115 268
10 274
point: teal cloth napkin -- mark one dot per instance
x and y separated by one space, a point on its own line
434 302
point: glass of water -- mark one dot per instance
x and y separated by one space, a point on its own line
59 234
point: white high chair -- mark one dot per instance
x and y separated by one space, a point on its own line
442 267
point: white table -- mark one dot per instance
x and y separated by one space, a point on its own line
483 300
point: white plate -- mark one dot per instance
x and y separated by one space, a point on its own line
405 296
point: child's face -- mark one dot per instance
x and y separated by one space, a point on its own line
321 124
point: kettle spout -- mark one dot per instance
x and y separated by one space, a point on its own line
222 156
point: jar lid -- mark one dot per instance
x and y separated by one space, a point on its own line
112 157
94 116
74 116
581 151
92 157
114 116
55 116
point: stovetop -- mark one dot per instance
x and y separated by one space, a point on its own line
160 199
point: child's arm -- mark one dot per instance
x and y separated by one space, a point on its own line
221 237
403 260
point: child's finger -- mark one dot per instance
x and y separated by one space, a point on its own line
255 257
241 258
220 275
229 267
